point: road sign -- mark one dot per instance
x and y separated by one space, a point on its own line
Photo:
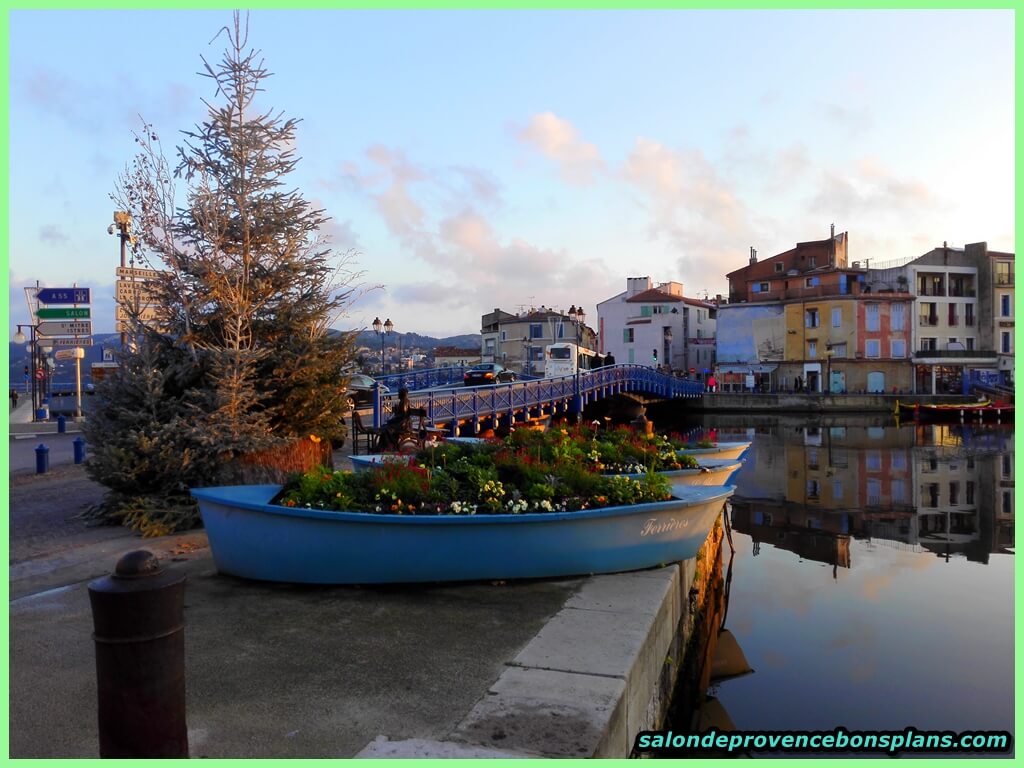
65 328
129 291
69 354
145 313
40 373
145 274
63 296
70 342
60 313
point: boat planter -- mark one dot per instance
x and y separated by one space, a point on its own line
252 538
718 451
710 472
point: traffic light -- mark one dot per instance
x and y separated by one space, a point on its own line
26 370
655 355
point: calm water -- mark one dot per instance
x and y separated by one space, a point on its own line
873 575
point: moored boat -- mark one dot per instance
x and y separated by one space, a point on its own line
984 410
252 538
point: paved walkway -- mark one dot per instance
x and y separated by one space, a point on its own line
273 670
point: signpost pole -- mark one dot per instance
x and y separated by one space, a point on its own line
78 388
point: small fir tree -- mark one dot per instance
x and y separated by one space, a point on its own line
240 358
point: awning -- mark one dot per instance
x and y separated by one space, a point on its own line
746 368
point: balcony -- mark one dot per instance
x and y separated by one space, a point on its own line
1004 279
929 320
955 290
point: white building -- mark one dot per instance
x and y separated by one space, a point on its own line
655 325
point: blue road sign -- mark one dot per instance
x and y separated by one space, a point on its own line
63 296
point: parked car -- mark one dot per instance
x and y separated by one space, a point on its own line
360 389
487 373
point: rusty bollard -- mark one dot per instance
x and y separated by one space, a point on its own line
138 614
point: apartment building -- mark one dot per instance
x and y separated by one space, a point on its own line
808 320
517 341
657 326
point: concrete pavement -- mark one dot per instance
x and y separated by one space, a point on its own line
566 667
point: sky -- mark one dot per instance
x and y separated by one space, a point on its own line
473 160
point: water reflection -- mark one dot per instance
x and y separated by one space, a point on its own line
944 489
874 574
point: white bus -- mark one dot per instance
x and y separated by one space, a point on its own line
566 358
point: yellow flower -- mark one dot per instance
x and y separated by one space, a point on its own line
314 438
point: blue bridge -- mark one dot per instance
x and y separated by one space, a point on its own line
497 405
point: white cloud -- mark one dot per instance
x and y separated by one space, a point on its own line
579 161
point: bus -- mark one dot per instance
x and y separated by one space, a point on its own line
566 358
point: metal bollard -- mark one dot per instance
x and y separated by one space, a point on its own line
79 447
138 615
62 424
42 458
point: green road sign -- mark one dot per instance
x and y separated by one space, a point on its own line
61 313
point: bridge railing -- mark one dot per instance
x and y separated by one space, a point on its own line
500 399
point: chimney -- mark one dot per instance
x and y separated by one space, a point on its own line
753 255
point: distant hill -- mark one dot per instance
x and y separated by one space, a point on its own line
65 370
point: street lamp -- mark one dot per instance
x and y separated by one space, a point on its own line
33 350
123 227
382 330
577 315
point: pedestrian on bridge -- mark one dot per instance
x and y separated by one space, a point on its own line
14 399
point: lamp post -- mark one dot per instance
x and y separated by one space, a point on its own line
382 330
33 350
577 315
123 227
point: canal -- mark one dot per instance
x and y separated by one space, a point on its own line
872 575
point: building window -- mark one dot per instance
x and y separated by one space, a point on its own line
873 461
970 343
874 489
1004 304
632 355
954 494
1007 502
871 321
627 337
536 330
503 337
812 349
968 314
1005 346
812 262
969 493
929 344
812 319
1007 466
872 348
952 319
1004 275
898 348
897 491
764 287
778 266
929 313
898 317
837 317
839 350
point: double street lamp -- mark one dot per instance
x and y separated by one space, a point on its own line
577 315
35 364
382 330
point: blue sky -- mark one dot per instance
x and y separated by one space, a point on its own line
481 159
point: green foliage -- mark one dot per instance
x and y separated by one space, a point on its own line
240 358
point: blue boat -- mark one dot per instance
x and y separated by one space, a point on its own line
251 538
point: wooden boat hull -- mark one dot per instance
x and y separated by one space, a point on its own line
718 450
254 539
